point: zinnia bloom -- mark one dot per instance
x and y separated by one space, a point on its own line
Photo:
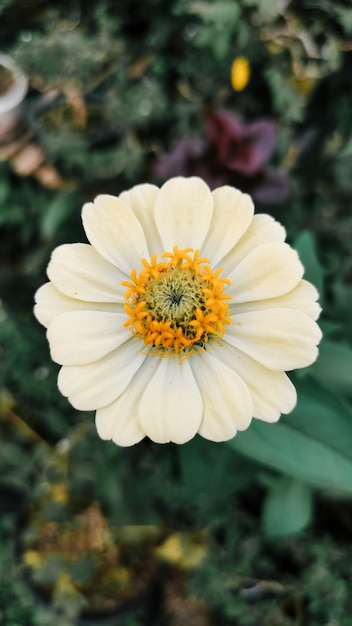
181 316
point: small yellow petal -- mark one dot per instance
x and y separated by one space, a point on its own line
240 73
186 550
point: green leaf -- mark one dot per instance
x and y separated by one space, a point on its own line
312 444
58 211
306 248
333 367
219 18
49 571
323 416
215 476
82 569
223 12
287 507
342 298
286 99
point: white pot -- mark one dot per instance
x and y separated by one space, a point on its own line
11 101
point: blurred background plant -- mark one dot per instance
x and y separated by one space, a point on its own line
254 531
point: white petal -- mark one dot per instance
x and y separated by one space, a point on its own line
50 303
269 271
78 271
183 212
141 200
97 384
280 339
119 420
114 231
302 298
233 212
171 407
82 337
226 398
262 229
271 391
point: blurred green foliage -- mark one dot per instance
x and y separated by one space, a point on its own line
112 87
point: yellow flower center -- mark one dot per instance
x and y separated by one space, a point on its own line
177 305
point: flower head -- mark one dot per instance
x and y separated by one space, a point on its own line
181 316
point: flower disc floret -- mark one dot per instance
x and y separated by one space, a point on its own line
177 306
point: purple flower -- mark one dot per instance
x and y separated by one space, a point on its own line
232 153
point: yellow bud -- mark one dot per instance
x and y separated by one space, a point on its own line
33 559
186 550
240 73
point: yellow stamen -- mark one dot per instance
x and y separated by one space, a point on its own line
176 306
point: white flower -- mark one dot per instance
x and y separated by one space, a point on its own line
181 317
